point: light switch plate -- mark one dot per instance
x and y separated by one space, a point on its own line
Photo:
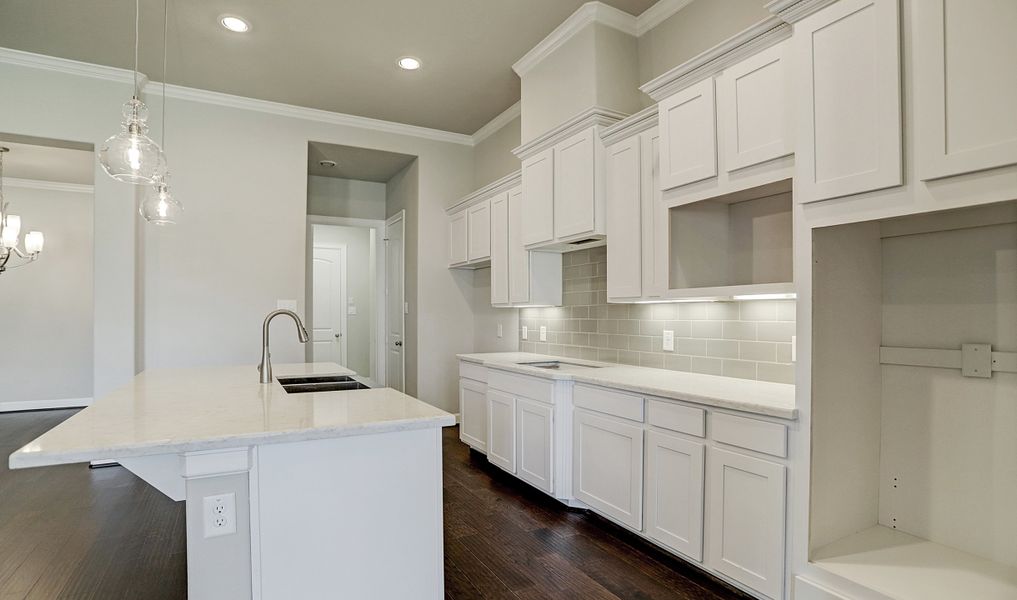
526 333
794 348
976 360
668 344
501 331
543 333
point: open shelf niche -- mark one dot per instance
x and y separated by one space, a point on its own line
739 243
914 439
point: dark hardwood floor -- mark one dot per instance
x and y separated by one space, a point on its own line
75 533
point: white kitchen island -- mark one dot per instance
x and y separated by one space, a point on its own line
337 494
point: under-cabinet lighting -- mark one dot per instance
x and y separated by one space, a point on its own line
765 297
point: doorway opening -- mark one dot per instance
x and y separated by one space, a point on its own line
355 262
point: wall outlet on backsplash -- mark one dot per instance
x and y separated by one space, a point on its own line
668 339
501 331
543 333
526 334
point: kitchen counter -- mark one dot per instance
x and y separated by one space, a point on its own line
747 395
184 410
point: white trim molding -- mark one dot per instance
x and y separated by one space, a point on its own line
792 11
21 405
504 184
760 36
658 13
590 117
591 12
497 123
631 125
71 67
53 186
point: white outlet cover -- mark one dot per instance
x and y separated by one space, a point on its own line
543 333
219 514
668 340
526 332
501 331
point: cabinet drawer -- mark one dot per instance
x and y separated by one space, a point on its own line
521 385
676 417
472 371
761 436
611 402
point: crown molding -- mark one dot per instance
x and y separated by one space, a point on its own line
51 186
763 34
792 11
502 185
497 123
71 67
311 114
591 117
630 126
591 12
658 13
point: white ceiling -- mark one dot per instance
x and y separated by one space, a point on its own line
355 163
336 55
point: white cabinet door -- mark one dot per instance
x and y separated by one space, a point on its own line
752 107
965 85
535 455
624 223
675 470
688 143
574 185
538 198
457 236
518 256
501 435
500 249
607 467
473 413
655 232
479 226
746 523
849 109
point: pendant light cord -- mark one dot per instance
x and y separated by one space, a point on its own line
137 27
165 37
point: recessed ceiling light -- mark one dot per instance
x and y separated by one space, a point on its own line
235 24
409 63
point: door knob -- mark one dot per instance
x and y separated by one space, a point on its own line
338 335
399 343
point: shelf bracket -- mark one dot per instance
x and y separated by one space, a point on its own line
973 360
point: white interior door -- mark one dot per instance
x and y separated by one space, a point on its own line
328 339
394 302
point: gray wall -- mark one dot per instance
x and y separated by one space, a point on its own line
402 194
335 197
486 319
692 30
47 315
493 158
749 340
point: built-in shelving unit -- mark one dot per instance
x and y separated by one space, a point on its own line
732 245
914 404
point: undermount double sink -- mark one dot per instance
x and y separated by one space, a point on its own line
557 365
320 383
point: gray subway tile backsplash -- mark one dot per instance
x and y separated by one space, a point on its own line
749 340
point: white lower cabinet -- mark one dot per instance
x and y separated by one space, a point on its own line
473 413
674 492
607 466
535 456
501 430
745 532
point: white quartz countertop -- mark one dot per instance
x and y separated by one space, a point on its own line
167 411
758 397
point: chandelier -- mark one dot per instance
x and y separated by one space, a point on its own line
10 232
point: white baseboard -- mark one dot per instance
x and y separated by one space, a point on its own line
44 404
458 420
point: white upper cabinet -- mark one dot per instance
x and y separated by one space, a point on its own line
478 219
965 63
655 218
688 149
534 278
538 198
624 222
574 189
848 81
752 107
457 238
500 249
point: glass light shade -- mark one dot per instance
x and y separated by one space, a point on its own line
131 156
12 229
158 207
34 242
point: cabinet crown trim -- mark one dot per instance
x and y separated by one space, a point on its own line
760 36
792 11
502 185
591 117
630 126
591 12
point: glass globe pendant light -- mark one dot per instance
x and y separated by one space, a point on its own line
158 207
131 156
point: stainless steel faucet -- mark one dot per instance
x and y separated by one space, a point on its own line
266 357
